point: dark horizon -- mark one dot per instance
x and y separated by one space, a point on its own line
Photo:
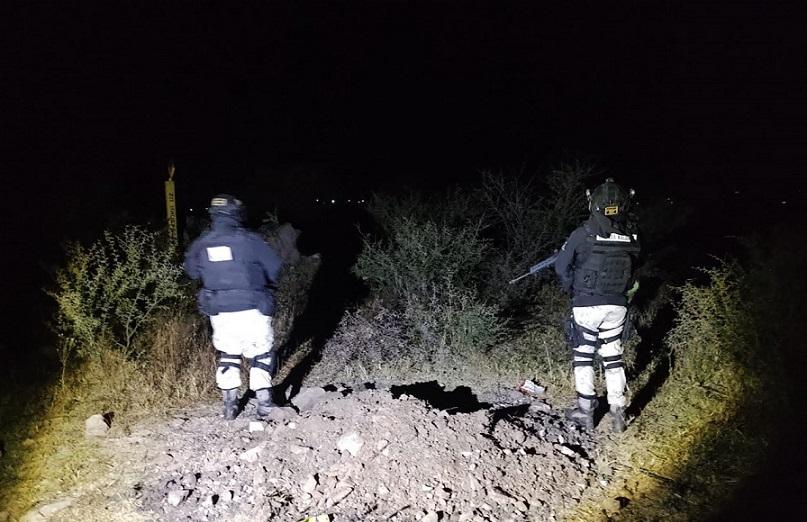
698 101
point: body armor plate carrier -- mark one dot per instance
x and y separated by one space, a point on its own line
607 269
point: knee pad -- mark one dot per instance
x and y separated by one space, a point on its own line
588 358
612 362
227 361
263 361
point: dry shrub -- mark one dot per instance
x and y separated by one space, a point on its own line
292 295
528 220
178 369
368 345
429 272
52 454
180 366
707 428
109 292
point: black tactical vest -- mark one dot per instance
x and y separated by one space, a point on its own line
232 279
607 268
224 266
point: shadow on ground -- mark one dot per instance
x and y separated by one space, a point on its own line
460 400
334 290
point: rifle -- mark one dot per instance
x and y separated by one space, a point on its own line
534 269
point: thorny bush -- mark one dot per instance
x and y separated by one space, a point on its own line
109 292
430 270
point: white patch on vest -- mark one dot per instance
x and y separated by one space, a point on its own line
614 237
219 253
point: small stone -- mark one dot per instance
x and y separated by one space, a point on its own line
569 452
499 496
298 450
381 444
351 443
541 407
383 490
256 426
96 426
310 484
4 516
471 483
430 516
210 501
45 511
177 496
251 455
280 414
163 459
339 496
308 398
612 506
188 480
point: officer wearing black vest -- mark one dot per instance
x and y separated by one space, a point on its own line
236 268
596 266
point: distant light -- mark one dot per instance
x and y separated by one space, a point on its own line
191 210
784 202
317 200
333 202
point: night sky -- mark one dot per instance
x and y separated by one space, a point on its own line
286 101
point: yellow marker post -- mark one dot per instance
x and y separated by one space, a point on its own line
171 205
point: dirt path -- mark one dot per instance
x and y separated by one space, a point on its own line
352 455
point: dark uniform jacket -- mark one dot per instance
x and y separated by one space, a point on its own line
235 266
596 263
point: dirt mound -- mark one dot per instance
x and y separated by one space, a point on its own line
358 455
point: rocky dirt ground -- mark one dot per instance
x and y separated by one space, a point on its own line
399 454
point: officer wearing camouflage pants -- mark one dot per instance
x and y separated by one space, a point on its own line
596 265
235 267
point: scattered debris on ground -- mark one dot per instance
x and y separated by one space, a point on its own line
367 454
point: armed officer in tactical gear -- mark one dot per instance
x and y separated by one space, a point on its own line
236 267
596 265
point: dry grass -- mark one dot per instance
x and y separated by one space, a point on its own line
51 456
706 430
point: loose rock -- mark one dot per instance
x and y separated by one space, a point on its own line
310 484
177 496
256 426
251 455
96 426
280 414
351 443
308 398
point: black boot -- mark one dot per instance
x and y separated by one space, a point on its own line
583 414
230 403
618 424
265 402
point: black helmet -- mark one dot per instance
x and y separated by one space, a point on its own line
610 200
226 205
